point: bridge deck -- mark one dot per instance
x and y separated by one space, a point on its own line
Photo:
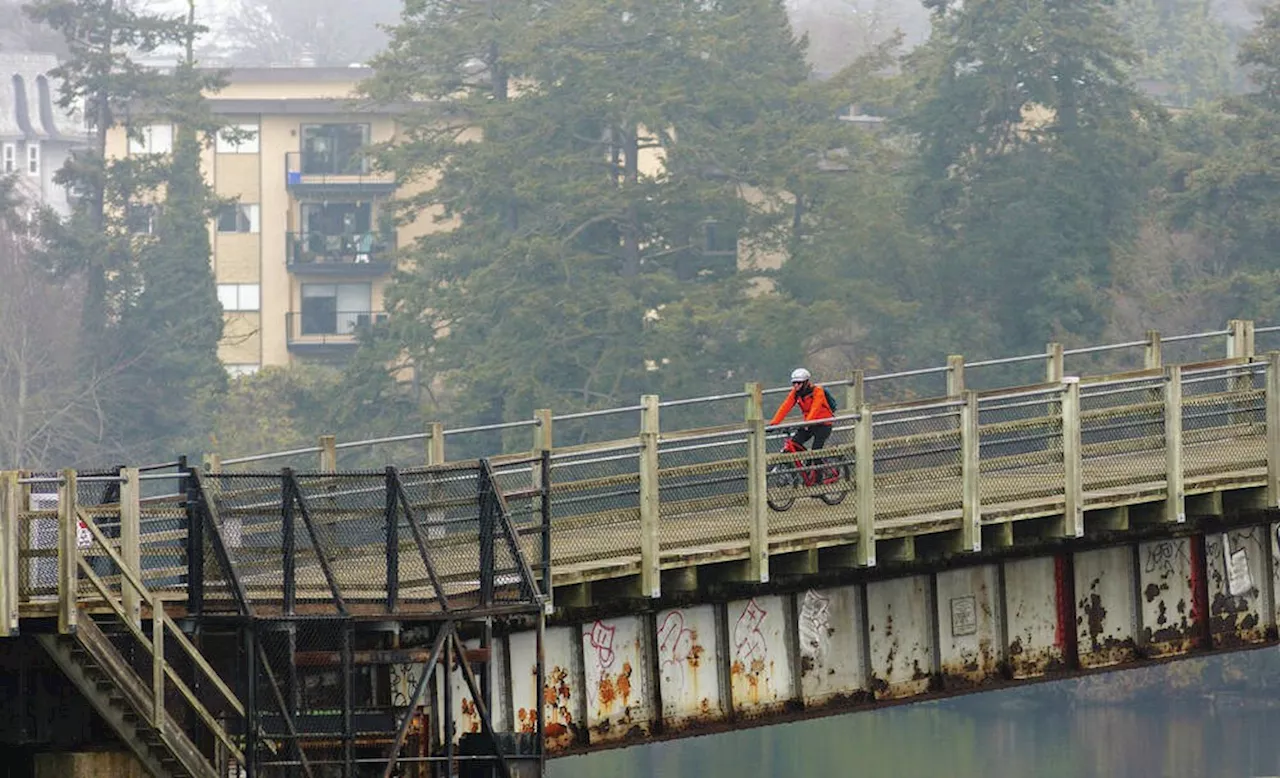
678 499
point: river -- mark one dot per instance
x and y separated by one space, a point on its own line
1216 729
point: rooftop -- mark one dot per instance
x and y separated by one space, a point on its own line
28 101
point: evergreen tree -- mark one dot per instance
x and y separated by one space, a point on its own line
617 136
1034 158
151 317
173 327
1227 185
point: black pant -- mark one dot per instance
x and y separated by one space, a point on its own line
818 433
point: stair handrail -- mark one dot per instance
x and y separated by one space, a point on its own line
160 622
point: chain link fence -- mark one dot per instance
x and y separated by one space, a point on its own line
595 503
1223 419
917 462
702 487
1122 432
809 491
1020 447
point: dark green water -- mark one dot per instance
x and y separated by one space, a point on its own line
1042 733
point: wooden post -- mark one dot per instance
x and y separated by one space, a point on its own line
865 486
542 443
971 496
650 523
1152 356
435 444
855 395
158 664
1053 370
1175 507
1273 428
131 540
542 438
955 375
757 485
9 556
68 533
1239 339
1073 481
328 454
212 463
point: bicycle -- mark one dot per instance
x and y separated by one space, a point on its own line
793 475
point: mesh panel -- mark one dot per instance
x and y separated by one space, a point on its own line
791 481
917 453
595 504
1020 447
1223 420
702 487
1122 437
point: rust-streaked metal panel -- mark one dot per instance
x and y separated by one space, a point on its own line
689 657
1165 591
616 673
969 649
759 661
1240 608
1106 614
466 716
832 661
561 696
1031 607
900 619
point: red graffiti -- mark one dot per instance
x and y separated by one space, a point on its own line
675 646
601 639
749 643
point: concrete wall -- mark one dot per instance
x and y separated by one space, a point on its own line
807 651
97 764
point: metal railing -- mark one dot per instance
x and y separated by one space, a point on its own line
354 171
314 249
971 466
327 327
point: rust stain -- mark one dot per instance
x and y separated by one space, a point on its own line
1096 614
624 683
1152 592
606 693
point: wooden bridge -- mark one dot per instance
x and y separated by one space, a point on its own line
956 474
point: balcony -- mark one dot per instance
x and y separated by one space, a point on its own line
324 332
337 256
309 174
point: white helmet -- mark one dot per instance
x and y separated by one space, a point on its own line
800 374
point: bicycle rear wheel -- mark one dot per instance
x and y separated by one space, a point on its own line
835 474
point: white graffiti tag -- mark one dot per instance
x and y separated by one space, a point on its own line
815 623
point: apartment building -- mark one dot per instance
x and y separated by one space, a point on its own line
36 135
303 255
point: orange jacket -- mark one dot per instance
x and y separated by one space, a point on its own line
814 406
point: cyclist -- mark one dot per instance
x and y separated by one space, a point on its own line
815 403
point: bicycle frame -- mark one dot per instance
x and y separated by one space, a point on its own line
809 473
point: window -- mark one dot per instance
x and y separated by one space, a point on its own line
242 370
239 297
245 143
335 309
238 217
140 218
33 158
152 139
334 149
9 159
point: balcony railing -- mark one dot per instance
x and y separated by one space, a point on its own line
323 330
354 254
354 173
